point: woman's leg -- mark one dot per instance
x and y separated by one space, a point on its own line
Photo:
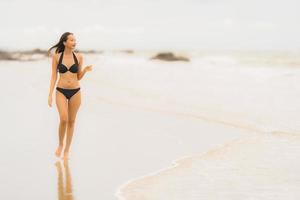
62 107
73 106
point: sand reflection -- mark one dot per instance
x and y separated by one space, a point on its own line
64 188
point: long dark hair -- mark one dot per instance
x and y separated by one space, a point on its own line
60 45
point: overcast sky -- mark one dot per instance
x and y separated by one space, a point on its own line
152 24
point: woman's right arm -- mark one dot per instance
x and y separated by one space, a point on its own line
53 74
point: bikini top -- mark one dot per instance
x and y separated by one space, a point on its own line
63 69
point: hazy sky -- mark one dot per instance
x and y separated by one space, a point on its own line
152 24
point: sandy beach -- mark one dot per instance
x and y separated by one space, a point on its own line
223 126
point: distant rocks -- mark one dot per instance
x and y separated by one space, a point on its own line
39 54
29 55
6 56
128 51
169 56
90 51
34 54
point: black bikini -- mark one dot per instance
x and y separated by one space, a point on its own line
63 69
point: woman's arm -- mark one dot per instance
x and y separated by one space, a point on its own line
53 74
80 72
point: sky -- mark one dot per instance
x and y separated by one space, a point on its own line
152 24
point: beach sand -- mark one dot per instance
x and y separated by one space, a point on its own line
229 126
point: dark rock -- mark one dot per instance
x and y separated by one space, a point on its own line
6 56
169 56
129 51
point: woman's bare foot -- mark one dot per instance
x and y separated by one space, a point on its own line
58 151
66 155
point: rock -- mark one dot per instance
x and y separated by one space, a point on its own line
6 56
169 56
129 51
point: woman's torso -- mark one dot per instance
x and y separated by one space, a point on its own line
67 79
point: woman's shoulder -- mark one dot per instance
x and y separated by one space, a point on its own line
55 56
78 54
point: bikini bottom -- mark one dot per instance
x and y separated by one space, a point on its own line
68 92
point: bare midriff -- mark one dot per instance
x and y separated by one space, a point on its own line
68 80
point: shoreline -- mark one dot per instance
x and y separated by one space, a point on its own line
183 161
245 165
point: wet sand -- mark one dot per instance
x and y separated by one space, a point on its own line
258 167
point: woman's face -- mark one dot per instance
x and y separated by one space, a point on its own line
71 42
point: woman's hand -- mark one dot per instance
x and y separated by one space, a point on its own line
88 68
50 100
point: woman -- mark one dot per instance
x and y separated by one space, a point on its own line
68 94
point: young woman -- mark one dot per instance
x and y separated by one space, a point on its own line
68 94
